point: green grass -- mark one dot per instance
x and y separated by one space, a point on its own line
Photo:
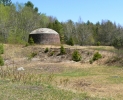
77 73
17 91
92 71
103 48
31 86
25 85
115 79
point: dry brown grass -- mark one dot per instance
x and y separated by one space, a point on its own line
95 79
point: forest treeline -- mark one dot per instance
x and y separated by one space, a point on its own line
18 20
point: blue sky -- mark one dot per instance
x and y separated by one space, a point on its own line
92 10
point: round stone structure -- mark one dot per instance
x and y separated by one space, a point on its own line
45 36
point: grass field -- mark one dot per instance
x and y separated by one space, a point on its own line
64 80
94 83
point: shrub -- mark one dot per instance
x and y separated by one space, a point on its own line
1 49
32 55
51 53
88 53
46 50
98 43
76 56
62 50
97 56
31 41
91 61
27 44
1 61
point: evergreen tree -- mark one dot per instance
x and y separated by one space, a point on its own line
62 50
6 2
36 9
31 41
118 43
29 4
76 56
71 42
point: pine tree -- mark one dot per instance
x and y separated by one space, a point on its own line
117 43
6 2
71 42
76 56
31 41
62 50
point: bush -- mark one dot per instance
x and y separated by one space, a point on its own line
1 61
32 55
97 56
27 44
62 50
1 49
91 61
76 56
51 53
98 43
31 41
46 50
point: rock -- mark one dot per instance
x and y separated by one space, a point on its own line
20 69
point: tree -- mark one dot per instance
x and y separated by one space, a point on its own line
107 32
4 22
76 56
6 2
85 35
69 30
96 56
31 41
57 26
62 50
36 9
118 43
29 4
43 20
71 42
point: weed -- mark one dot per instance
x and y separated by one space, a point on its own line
50 77
88 53
32 55
27 44
51 53
46 50
91 61
65 81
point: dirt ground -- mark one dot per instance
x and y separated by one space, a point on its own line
19 55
